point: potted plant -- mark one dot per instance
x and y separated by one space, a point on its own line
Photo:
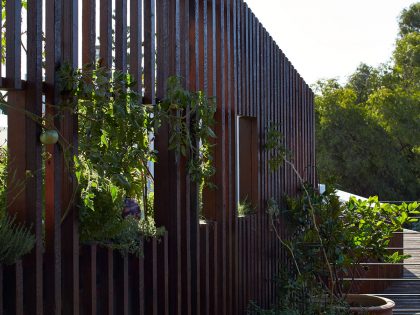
330 240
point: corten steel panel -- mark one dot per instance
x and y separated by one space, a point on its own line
204 269
230 151
68 130
105 33
121 283
105 259
234 169
247 61
209 199
53 172
150 278
213 254
13 289
89 31
136 39
163 275
121 35
88 281
219 47
13 39
136 284
1 290
25 149
239 282
193 49
185 49
170 176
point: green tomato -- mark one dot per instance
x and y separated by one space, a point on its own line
49 137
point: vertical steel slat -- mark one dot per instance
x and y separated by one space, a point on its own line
105 33
214 253
289 124
168 180
209 196
151 291
249 260
13 38
204 270
120 275
53 173
1 285
239 283
166 274
89 31
149 50
69 226
19 288
230 108
88 281
205 47
141 285
109 286
195 77
247 62
136 283
136 39
121 35
26 150
252 109
234 108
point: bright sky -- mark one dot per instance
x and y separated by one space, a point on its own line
3 121
330 38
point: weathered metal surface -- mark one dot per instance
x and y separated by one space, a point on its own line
218 46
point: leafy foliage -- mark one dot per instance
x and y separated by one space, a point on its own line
275 146
116 133
328 241
410 19
190 116
3 177
16 239
297 295
367 129
348 233
245 208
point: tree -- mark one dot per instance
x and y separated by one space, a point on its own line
368 130
410 20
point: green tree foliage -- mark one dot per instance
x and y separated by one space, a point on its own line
16 239
368 130
410 19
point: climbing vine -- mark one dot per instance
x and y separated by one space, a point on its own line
115 148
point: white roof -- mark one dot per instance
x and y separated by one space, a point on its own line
344 196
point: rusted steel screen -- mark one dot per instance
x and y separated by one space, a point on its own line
211 266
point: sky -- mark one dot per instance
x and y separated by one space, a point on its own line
3 121
330 38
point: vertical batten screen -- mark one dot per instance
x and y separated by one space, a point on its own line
211 266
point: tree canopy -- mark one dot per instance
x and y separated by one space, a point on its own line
368 129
